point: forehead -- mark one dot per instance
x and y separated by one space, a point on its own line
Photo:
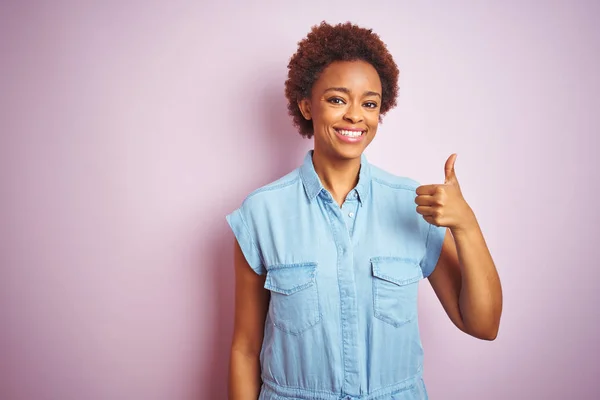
358 75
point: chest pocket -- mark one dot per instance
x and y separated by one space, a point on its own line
395 289
294 305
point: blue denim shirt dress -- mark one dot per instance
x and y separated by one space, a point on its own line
342 320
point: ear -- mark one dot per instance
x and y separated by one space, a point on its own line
304 106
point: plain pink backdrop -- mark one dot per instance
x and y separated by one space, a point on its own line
129 129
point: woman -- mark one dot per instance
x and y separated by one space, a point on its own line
328 258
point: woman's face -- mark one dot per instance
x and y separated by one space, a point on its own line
344 107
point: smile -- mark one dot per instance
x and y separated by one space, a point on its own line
349 135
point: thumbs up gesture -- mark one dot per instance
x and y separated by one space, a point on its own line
444 204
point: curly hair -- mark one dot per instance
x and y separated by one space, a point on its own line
327 43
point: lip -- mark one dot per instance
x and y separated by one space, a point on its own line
348 139
347 128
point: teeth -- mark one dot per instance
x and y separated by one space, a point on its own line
350 133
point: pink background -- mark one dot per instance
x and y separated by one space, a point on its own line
128 131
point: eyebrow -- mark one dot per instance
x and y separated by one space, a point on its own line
346 90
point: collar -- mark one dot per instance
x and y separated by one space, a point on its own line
313 186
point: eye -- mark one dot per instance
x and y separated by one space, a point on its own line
371 104
335 100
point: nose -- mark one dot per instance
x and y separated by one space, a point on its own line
353 113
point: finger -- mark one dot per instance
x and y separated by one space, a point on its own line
426 189
425 200
425 210
449 172
430 219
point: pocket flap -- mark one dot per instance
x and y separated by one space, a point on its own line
290 278
401 271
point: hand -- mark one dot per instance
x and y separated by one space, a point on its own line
444 205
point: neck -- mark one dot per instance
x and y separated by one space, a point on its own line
338 176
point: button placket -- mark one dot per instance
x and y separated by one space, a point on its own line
347 289
349 210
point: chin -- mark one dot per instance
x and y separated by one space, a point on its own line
334 148
349 153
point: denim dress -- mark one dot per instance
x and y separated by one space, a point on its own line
342 319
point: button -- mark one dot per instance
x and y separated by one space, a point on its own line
351 214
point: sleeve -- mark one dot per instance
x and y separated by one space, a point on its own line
433 248
246 240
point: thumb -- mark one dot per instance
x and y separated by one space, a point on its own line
449 172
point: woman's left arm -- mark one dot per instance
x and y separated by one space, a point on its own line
465 278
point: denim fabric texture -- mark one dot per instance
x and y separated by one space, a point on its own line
342 320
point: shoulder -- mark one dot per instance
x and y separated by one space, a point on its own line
390 181
273 192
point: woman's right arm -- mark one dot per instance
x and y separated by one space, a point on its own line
251 305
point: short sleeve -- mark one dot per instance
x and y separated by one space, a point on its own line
433 248
246 240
